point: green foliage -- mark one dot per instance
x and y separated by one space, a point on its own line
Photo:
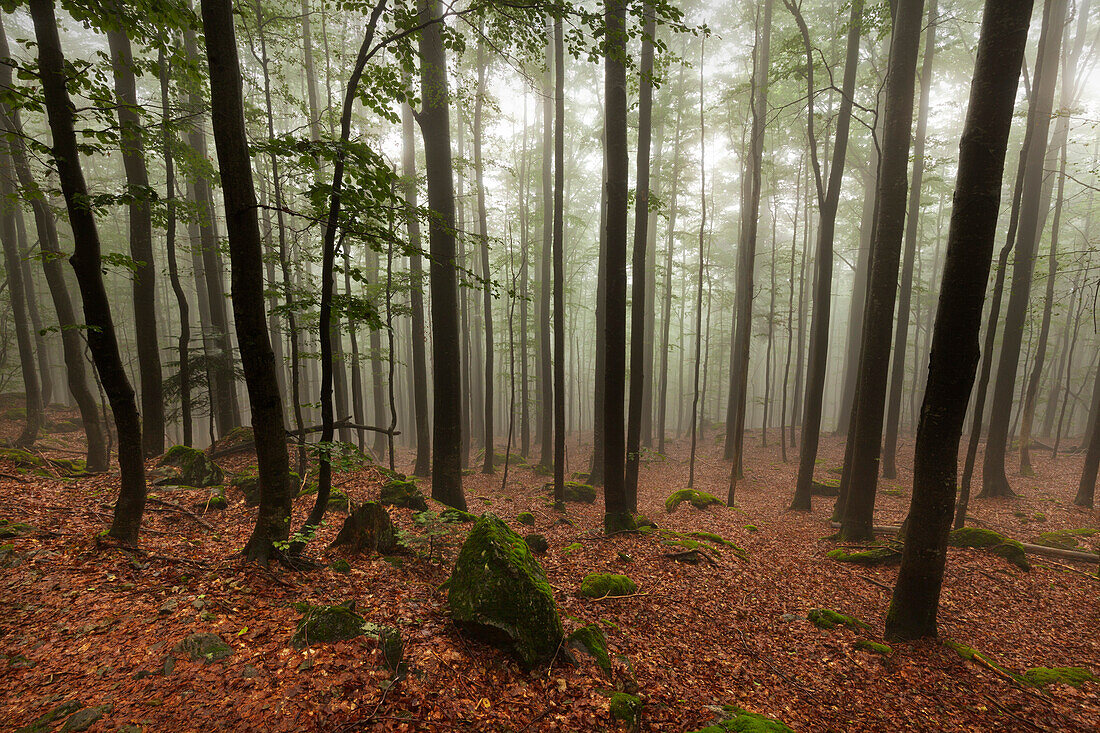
607 585
698 499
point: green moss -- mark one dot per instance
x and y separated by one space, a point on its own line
525 518
189 467
604 585
14 529
626 708
1043 676
876 556
579 493
591 639
970 654
22 458
340 566
571 548
1039 517
893 492
537 543
828 487
15 413
698 499
995 542
205 647
826 618
327 624
450 514
873 646
1065 539
217 499
742 721
402 492
500 592
752 528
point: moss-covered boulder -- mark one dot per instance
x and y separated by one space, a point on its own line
248 483
828 487
995 542
537 543
525 518
47 719
185 466
450 514
1044 676
579 493
827 618
886 555
403 493
698 499
499 592
204 647
742 721
216 499
607 585
368 529
239 438
327 624
1063 539
23 459
626 708
592 641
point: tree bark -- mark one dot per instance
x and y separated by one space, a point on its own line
954 356
546 391
666 310
86 263
447 392
483 234
247 283
559 263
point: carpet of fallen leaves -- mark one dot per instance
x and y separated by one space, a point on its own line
84 620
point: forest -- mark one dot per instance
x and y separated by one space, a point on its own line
549 365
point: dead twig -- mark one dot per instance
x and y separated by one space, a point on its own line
1057 565
182 509
1006 711
13 477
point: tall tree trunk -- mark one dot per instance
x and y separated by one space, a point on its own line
486 274
890 194
559 263
422 467
86 263
746 258
994 480
790 316
699 284
954 356
41 348
616 511
901 332
1086 490
184 340
638 365
246 271
71 341
666 311
524 286
546 390
828 197
141 241
435 126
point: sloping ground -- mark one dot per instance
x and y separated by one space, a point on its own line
84 621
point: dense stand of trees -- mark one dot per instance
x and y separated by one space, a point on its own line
782 271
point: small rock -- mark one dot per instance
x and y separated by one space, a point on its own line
204 647
249 672
83 719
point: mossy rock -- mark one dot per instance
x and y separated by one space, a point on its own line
22 458
43 722
607 585
189 467
14 529
204 647
327 624
368 529
591 640
827 618
1044 676
15 413
217 499
626 708
62 426
825 488
450 514
739 720
340 566
888 555
84 718
238 436
578 493
498 591
698 499
571 548
525 518
1063 539
248 483
403 493
873 646
995 542
537 543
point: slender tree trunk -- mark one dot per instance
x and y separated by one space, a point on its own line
746 258
891 190
447 392
828 201
994 480
901 333
41 348
559 263
699 285
771 333
483 235
638 366
524 278
141 243
546 391
1086 490
1073 314
86 263
954 357
790 317
416 295
666 312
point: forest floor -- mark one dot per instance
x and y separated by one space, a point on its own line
85 621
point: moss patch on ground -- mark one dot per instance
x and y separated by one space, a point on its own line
827 618
698 499
607 585
995 542
887 555
742 721
1043 676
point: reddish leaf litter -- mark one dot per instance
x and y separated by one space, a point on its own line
84 620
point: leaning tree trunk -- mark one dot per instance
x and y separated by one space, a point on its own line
247 282
954 356
447 392
638 314
87 264
901 332
874 361
994 479
141 242
72 344
616 514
